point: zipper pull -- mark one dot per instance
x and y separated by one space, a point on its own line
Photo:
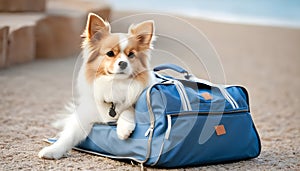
168 131
148 131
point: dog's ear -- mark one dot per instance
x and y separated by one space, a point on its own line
96 27
143 32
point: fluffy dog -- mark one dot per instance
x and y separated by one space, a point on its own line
114 72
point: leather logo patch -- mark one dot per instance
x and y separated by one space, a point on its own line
220 130
206 96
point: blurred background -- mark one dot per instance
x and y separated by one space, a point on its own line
254 43
262 12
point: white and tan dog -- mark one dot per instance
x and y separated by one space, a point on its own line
114 72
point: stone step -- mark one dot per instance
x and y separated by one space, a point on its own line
54 33
21 42
3 44
22 5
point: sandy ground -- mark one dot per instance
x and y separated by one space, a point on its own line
264 59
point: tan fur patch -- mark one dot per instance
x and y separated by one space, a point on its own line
98 61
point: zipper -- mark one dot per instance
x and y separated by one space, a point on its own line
169 117
208 113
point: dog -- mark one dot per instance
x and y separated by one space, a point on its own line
115 71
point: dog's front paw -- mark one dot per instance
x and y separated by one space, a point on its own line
51 152
124 128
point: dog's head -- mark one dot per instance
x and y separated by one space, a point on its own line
121 55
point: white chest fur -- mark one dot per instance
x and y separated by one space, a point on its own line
123 92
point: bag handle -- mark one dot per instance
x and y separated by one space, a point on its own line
174 68
179 69
195 79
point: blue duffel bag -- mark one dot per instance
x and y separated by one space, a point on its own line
179 123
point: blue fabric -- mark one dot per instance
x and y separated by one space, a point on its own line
193 139
239 142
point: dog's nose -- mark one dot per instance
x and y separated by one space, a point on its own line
123 64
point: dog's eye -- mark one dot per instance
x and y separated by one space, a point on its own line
110 54
131 55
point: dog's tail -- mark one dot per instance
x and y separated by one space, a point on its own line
64 115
